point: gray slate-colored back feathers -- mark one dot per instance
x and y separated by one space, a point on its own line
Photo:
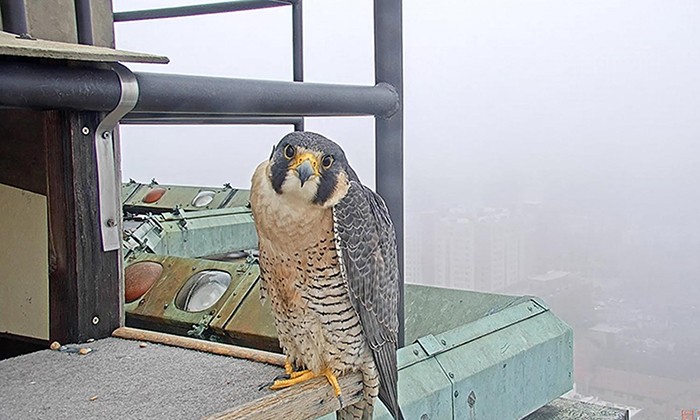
367 243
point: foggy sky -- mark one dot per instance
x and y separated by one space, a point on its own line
582 102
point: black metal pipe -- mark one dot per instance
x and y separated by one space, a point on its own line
83 18
388 65
194 119
199 9
34 85
298 41
14 16
178 93
298 48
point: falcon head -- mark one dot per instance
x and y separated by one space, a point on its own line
311 167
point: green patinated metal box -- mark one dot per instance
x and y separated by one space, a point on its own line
483 356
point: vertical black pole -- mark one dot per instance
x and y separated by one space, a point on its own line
83 17
298 49
14 16
388 64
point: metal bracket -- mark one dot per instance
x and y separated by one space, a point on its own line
110 211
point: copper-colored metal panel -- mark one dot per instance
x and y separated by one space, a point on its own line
139 277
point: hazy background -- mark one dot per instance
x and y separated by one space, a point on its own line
577 122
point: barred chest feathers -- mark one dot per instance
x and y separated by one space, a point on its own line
317 326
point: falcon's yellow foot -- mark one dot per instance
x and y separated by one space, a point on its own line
305 375
298 378
333 381
289 370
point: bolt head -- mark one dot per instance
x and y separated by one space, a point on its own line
456 394
106 135
95 320
415 351
85 130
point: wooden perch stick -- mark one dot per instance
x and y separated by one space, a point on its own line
200 345
307 400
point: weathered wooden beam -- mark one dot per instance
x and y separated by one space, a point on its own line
307 400
200 345
84 289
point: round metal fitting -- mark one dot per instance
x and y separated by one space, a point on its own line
85 130
95 320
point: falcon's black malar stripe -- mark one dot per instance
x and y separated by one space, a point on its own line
326 186
278 170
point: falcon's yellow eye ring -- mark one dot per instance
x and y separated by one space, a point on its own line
289 151
327 161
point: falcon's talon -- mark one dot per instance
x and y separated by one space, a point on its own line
265 385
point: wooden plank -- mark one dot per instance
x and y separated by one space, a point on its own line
200 345
83 280
307 400
11 45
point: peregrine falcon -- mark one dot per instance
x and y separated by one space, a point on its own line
328 265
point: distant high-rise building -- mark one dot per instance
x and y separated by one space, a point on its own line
486 252
454 251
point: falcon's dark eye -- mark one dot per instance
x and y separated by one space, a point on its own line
289 151
327 161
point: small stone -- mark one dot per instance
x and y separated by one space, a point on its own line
143 345
84 350
55 345
93 398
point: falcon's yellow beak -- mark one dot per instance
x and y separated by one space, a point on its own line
306 165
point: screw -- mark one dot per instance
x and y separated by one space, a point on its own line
142 301
85 130
444 343
415 351
452 375
165 306
456 394
111 223
106 135
95 320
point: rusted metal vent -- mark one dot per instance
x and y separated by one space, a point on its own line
139 277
